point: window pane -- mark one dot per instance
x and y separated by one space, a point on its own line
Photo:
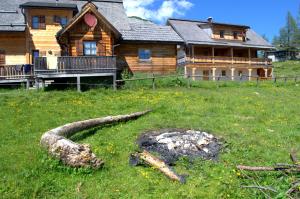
35 22
144 54
63 21
90 48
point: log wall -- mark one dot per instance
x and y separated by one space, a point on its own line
163 58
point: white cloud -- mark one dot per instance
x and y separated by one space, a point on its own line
165 10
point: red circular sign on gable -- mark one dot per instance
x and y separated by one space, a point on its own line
90 20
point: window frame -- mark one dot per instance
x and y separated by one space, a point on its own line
90 48
33 55
41 22
140 54
235 35
222 34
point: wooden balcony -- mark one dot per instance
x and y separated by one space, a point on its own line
228 60
75 65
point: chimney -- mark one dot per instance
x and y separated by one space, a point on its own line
210 19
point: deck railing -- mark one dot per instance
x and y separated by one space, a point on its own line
229 60
82 64
15 71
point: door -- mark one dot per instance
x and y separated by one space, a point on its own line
206 75
35 54
2 57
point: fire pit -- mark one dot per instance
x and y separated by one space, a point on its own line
171 144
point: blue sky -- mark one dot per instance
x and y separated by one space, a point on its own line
264 16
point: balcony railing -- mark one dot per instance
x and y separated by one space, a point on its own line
72 65
12 72
229 60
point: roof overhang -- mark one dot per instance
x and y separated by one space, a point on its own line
44 5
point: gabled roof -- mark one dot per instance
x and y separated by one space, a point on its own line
192 33
12 19
88 7
147 31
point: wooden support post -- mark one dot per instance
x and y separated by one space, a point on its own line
231 53
266 73
249 73
153 82
43 84
194 74
214 74
115 82
249 55
189 81
37 85
27 84
185 72
213 54
232 74
78 84
193 53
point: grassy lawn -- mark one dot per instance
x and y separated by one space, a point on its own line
260 125
289 68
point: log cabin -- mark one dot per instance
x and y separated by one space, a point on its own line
77 38
220 50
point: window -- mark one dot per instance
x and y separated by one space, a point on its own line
235 35
222 34
63 21
60 20
240 73
90 48
38 22
223 73
144 54
35 54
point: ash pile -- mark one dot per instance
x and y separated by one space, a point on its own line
172 144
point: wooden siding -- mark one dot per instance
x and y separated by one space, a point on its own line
13 46
163 58
81 32
228 32
44 40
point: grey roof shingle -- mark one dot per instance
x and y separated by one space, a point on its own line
48 5
144 30
192 33
112 10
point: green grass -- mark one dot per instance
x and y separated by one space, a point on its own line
260 125
289 68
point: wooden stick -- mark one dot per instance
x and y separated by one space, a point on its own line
79 155
261 188
157 163
279 167
293 157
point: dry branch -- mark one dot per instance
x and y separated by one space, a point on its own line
278 167
261 188
149 159
79 155
293 157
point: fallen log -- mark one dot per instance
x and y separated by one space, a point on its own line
79 155
147 158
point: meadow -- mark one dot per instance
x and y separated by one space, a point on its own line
259 124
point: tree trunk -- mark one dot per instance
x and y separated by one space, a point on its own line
79 155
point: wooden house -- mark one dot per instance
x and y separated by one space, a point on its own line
218 50
71 38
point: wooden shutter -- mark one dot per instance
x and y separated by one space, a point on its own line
79 47
2 57
42 22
